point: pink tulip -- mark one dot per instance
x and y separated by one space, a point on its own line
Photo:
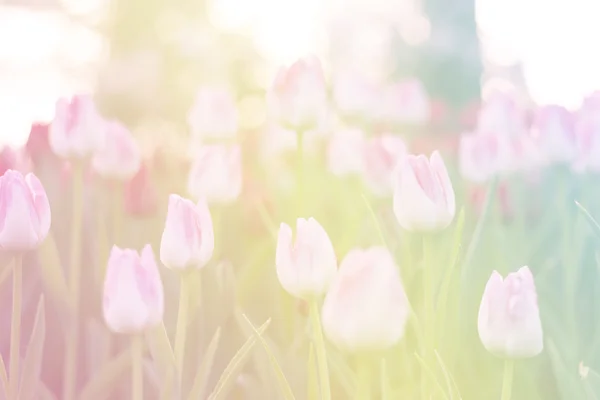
587 136
345 152
406 102
133 291
8 159
366 307
77 130
214 114
355 96
298 97
216 173
500 114
509 321
554 131
188 239
141 198
306 266
381 155
483 156
423 195
120 157
38 145
24 212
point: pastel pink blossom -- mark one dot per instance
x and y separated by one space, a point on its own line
554 131
133 292
355 96
366 308
483 156
306 265
77 130
345 152
587 136
509 322
38 146
501 114
24 212
213 114
216 173
141 197
120 157
526 153
298 96
381 155
423 195
406 102
188 239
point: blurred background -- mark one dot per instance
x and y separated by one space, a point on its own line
144 59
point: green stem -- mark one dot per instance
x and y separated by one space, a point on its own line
70 370
15 328
300 172
507 381
137 372
320 349
428 311
363 372
181 329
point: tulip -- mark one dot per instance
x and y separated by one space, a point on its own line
501 114
554 132
120 158
216 173
141 198
188 239
38 146
344 153
77 130
423 194
133 292
8 159
298 97
354 95
381 156
406 103
509 322
24 212
366 307
214 114
483 156
306 266
587 136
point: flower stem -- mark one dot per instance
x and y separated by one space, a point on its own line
363 372
137 372
320 349
180 333
72 339
300 172
15 328
507 381
428 310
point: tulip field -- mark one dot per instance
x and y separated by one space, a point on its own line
345 250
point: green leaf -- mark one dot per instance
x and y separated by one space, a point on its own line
592 222
267 219
52 272
445 288
286 390
235 364
450 382
160 348
375 220
312 386
343 373
426 369
3 377
386 390
201 378
32 364
101 385
568 384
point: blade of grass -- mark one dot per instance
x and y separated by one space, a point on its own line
201 378
375 220
431 375
312 391
234 366
286 390
386 390
104 381
3 377
591 220
450 382
32 364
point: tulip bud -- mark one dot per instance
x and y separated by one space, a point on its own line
37 145
298 98
381 156
423 195
214 114
120 157
366 307
509 322
306 266
133 291
24 212
8 159
554 131
216 173
345 152
77 130
406 103
141 198
483 156
188 239
501 115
